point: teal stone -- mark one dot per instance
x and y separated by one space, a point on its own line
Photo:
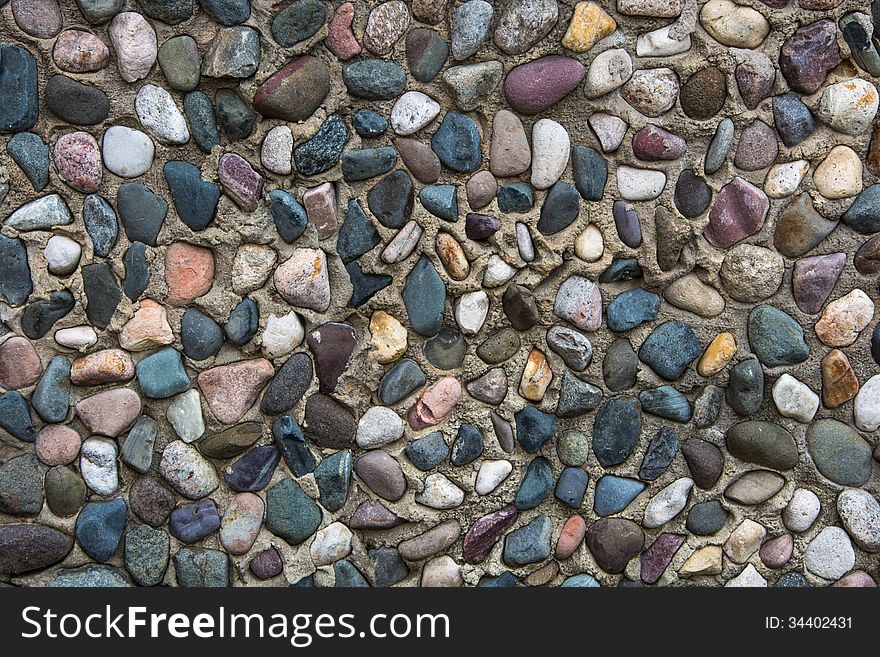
333 476
616 430
530 543
536 486
457 143
424 295
99 528
51 397
298 22
347 576
19 96
146 554
515 198
631 309
161 375
374 79
290 513
590 172
31 154
666 402
776 338
367 163
441 201
289 216
90 576
669 349
201 568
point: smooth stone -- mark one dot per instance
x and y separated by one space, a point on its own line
490 388
424 295
16 284
706 518
669 349
457 143
180 62
202 120
560 209
704 460
65 491
141 212
499 347
754 487
400 381
333 476
75 102
755 76
860 515
227 12
427 452
19 108
185 416
234 117
127 152
99 528
613 542
193 522
440 493
134 42
467 446
830 555
576 397
839 452
861 214
111 412
613 494
620 365
813 280
267 564
745 387
550 152
441 201
234 53
41 214
530 543
537 85
188 472
471 85
323 150
51 397
775 338
137 450
719 147
195 199
374 79
21 486
435 540
616 429
636 184
243 323
534 428
288 386
368 123
295 92
668 503
297 22
609 129
656 559
652 91
290 513
40 316
426 53
666 402
367 163
794 121
801 511
25 547
31 154
253 471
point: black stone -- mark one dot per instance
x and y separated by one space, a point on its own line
692 194
102 292
171 12
289 216
200 335
142 213
590 172
661 450
15 274
364 286
520 308
19 96
616 430
745 388
75 102
253 471
137 271
388 566
620 366
427 452
706 518
291 442
794 121
40 316
400 381
321 152
236 119
289 385
357 235
480 227
202 121
367 163
621 269
534 428
368 123
15 416
468 445
298 22
243 322
101 224
391 200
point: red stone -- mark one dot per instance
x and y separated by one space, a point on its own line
78 161
573 532
340 39
739 210
294 92
230 390
808 55
20 365
653 143
189 272
240 181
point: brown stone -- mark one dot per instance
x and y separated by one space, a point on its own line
613 542
230 390
294 92
452 256
419 158
839 381
429 11
105 366
872 159
704 93
536 376
20 364
543 576
320 205
189 272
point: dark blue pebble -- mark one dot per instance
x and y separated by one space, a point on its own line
99 528
137 271
367 163
40 316
243 322
142 213
202 121
441 201
161 374
194 199
506 580
613 494
666 402
101 225
19 96
560 209
661 450
534 428
292 444
193 522
468 445
253 471
333 476
669 349
364 286
29 152
51 397
102 293
227 12
515 198
391 199
357 235
16 284
400 381
236 119
572 486
590 172
632 308
427 452
536 486
289 216
368 123
347 576
321 152
616 430
621 269
424 295
15 416
457 143
374 79
200 335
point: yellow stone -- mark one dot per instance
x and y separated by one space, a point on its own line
717 355
536 376
705 561
389 337
589 25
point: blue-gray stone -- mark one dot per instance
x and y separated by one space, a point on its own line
863 215
530 543
146 554
400 381
506 580
31 154
666 402
236 119
534 428
584 580
194 199
367 163
719 147
572 486
137 271
16 284
792 580
661 450
369 123
389 568
137 450
289 384
290 513
347 576
468 445
576 397
669 349
74 102
101 224
171 12
626 221
289 216
227 12
514 198
590 172
441 201
457 143
776 338
90 576
621 269
40 316
254 470
839 452
536 486
102 293
794 121
613 494
333 476
424 295
194 521
99 528
391 199
161 374
364 286
291 442
745 387
560 208
51 397
706 518
21 486
298 21
427 452
19 96
616 430
142 213
307 582
201 568
357 235
632 308
100 11
374 79
202 120
446 350
243 322
321 152
200 335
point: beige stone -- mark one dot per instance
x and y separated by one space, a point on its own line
389 337
704 561
839 175
148 328
536 376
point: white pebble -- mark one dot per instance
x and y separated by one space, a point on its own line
801 511
440 493
76 337
589 245
185 415
609 129
378 426
62 255
277 150
860 514
331 544
866 408
830 555
524 242
659 44
412 112
97 465
442 572
471 309
794 399
498 272
157 113
550 150
491 474
608 71
402 244
282 334
668 503
639 184
849 106
127 152
783 179
748 578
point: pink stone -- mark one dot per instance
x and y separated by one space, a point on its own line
240 181
573 532
320 205
385 25
57 444
658 556
536 86
39 18
80 52
147 329
20 364
776 552
435 404
78 161
134 41
739 211
855 579
341 40
105 366
653 143
189 272
111 412
579 301
814 278
241 523
230 390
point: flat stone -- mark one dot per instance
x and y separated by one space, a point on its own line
839 452
536 86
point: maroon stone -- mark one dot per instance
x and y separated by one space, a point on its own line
294 92
374 515
855 579
479 227
626 220
267 563
757 148
809 55
485 533
704 460
78 161
739 211
240 181
867 258
659 555
814 278
332 345
613 542
776 552
653 143
536 86
754 83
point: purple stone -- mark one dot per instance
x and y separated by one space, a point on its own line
813 280
192 522
374 515
808 55
267 564
240 182
626 219
479 227
485 533
332 345
536 86
653 143
253 471
659 555
739 211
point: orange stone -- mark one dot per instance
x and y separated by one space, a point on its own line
231 390
573 532
717 355
839 382
435 404
589 25
452 256
105 366
536 376
389 337
189 272
147 329
20 364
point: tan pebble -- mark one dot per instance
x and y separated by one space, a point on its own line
589 24
147 329
744 541
717 355
705 561
843 319
536 376
452 256
839 175
389 337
